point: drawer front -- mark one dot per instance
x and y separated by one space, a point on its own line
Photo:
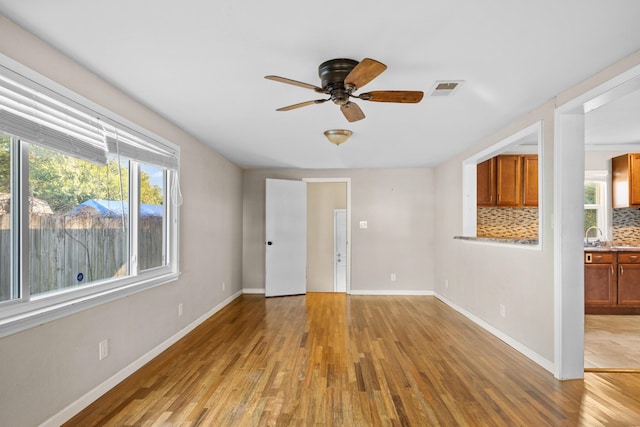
600 257
629 257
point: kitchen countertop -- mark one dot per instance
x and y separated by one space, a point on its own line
498 240
614 248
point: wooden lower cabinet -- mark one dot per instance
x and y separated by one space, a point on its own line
629 279
612 282
600 282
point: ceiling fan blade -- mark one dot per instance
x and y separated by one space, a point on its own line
302 104
366 70
402 96
352 112
295 83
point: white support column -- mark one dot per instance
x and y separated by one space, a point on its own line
568 231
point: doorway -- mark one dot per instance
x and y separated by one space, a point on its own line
612 340
324 197
569 170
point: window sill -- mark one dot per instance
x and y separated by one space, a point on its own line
21 316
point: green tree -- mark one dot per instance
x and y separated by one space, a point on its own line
65 182
5 164
149 193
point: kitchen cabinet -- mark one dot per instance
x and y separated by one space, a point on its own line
508 180
530 180
612 282
486 182
629 278
626 180
600 281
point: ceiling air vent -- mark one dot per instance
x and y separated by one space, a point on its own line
445 88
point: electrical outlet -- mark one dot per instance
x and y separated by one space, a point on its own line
503 310
363 224
103 349
446 283
393 277
224 285
179 309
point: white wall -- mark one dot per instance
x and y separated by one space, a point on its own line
483 276
398 206
600 160
47 368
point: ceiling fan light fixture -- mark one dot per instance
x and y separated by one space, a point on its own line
337 136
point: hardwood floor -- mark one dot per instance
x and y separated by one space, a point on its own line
332 359
612 342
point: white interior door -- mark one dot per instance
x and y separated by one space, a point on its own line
340 245
285 237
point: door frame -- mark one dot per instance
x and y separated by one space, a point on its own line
335 233
347 181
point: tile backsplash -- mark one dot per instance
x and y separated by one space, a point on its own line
626 226
522 223
507 223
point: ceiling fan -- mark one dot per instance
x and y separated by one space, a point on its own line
340 78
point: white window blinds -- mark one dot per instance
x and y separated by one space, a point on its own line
35 117
27 112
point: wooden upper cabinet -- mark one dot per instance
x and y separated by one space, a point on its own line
509 180
486 182
626 180
530 180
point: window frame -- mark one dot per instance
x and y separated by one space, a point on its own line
602 179
27 311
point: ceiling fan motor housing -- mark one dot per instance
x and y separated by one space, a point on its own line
332 74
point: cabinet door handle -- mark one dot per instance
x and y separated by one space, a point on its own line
621 270
634 257
612 269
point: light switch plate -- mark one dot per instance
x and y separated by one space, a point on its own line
363 224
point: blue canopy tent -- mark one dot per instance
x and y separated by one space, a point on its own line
113 208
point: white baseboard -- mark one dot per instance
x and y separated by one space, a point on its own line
390 292
545 363
84 401
359 292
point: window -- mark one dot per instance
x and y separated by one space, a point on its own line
78 229
88 206
151 218
595 212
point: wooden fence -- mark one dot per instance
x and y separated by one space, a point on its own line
67 251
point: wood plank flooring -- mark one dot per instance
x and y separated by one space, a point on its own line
612 342
338 360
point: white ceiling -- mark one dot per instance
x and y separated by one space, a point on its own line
201 65
616 123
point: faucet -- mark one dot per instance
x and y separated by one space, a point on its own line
586 236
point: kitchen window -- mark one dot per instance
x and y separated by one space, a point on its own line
595 211
88 206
